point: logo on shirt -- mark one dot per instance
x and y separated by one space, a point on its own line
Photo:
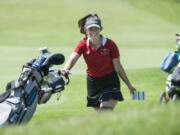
104 51
88 52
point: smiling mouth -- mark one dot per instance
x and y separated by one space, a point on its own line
94 35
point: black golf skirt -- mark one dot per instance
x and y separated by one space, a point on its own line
103 89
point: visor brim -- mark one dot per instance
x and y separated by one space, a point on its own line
93 25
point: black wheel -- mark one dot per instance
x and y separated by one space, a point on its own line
175 98
163 98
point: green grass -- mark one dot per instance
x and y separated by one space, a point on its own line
140 120
144 32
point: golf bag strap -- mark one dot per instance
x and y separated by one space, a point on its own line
13 85
18 83
21 83
4 96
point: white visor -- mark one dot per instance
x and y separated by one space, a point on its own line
93 25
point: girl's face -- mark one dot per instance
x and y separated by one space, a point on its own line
93 32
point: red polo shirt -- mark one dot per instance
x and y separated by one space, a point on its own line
99 62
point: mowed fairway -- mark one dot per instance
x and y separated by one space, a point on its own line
144 32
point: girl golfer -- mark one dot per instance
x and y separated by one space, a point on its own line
103 65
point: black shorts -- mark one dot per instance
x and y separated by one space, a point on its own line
102 89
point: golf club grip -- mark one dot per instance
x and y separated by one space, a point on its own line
67 79
66 76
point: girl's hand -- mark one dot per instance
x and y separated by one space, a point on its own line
64 72
131 89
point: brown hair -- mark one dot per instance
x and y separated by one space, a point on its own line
82 21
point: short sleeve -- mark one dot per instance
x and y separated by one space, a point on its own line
79 48
114 51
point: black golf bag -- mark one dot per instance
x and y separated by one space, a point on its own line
35 85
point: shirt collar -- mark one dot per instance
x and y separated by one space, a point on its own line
104 40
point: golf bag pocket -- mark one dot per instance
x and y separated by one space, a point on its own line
5 110
170 61
16 109
11 111
44 96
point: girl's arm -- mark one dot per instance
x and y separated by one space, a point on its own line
120 70
71 62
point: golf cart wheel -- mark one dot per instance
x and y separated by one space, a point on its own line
163 98
175 98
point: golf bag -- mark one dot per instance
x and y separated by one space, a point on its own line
35 85
19 102
173 79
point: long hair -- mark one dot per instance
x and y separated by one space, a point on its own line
82 21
